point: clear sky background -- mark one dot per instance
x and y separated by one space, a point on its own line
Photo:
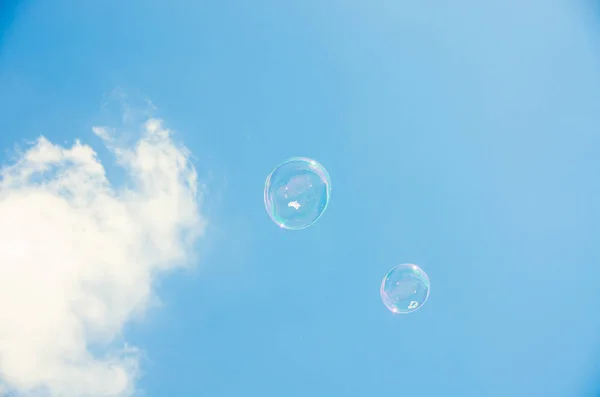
462 136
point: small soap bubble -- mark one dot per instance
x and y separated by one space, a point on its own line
405 288
297 193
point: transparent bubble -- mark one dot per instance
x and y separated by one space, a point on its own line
297 193
405 288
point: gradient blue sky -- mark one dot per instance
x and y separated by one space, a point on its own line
462 136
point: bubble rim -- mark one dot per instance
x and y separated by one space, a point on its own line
415 268
318 168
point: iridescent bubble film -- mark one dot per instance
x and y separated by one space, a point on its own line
405 288
297 193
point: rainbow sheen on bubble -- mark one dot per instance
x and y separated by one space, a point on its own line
405 288
297 193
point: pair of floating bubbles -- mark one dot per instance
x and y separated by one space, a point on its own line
297 193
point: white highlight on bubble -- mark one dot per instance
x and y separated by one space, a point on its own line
294 204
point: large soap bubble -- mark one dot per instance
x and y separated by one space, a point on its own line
297 193
405 288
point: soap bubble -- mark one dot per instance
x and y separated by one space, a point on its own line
297 193
405 288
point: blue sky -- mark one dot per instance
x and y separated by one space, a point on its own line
460 136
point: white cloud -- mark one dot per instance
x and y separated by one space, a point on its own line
78 256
